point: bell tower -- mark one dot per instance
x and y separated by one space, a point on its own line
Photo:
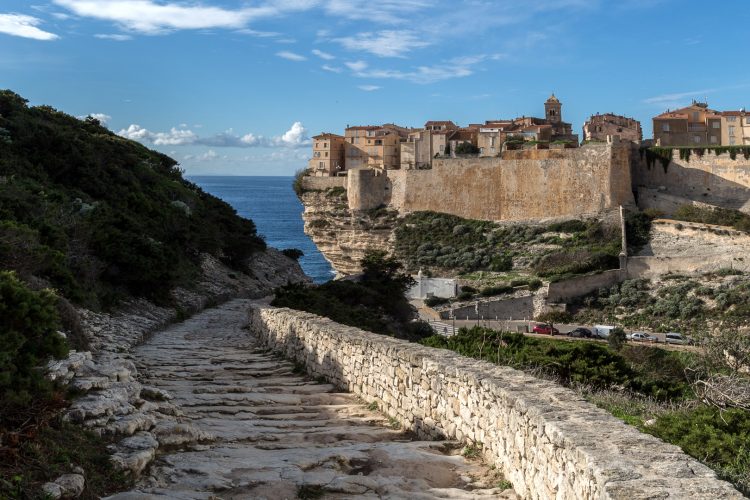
553 110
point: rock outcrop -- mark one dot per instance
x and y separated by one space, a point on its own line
343 235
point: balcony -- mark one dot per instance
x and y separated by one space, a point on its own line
696 127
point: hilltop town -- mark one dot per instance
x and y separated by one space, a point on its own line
390 146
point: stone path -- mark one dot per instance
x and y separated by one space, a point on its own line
265 431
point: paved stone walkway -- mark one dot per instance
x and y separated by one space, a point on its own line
267 431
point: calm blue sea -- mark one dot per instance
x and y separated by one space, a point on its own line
271 203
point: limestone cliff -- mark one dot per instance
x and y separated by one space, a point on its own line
343 235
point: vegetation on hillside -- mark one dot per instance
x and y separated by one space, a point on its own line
86 218
375 302
718 216
693 305
98 216
451 244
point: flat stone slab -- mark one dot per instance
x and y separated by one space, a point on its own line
255 428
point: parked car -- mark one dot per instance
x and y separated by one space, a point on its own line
675 338
642 337
602 331
580 333
545 329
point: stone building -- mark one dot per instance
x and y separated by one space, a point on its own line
599 126
494 133
328 155
699 126
374 146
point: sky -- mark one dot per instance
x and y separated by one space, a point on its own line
239 87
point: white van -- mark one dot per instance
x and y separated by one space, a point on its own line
601 331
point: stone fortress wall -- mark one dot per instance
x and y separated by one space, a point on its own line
547 441
522 185
711 179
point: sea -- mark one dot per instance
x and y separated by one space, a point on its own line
277 212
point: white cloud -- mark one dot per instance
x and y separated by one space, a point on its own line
24 26
150 16
356 65
113 36
104 119
323 55
285 54
295 137
388 43
368 88
385 11
332 69
676 99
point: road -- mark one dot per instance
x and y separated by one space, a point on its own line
449 328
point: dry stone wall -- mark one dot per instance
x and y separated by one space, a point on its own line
548 441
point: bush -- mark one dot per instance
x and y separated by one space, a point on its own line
555 317
535 284
28 338
435 301
465 296
293 253
717 216
616 338
490 291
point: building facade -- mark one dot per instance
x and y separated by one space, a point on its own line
699 126
599 126
328 156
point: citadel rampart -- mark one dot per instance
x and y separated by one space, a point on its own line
707 178
547 440
533 184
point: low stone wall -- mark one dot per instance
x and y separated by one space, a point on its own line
547 440
563 291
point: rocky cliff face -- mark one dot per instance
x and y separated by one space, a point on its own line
343 235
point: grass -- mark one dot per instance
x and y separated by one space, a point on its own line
472 450
56 450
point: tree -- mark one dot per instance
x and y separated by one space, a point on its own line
617 338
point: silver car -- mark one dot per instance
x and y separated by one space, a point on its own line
642 337
675 338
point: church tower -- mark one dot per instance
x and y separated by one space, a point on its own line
553 110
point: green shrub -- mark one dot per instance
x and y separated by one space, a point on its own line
616 338
490 291
535 284
435 301
717 216
555 317
28 339
293 253
465 296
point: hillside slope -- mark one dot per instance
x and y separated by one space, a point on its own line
100 217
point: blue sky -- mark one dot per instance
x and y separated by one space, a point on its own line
238 87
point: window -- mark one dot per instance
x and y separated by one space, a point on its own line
696 116
665 127
716 124
619 129
731 118
731 140
714 140
492 142
326 154
731 130
322 164
697 139
747 121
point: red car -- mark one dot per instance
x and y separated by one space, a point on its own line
545 329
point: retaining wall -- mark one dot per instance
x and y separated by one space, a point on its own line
500 308
546 439
563 291
321 183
